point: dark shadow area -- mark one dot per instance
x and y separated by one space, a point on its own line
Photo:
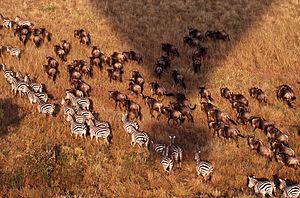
147 24
10 115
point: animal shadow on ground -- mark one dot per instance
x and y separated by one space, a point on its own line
11 115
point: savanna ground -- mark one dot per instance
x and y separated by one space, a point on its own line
264 51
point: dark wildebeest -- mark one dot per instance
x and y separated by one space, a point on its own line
169 49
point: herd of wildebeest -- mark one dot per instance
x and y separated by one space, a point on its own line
78 111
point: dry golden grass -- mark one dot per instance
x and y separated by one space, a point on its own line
264 52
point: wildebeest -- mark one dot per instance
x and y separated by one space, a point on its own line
258 94
178 78
225 92
132 107
158 90
52 72
205 93
134 56
154 106
82 86
169 49
286 93
173 114
118 97
115 74
217 35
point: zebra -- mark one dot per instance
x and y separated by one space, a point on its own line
19 86
176 151
42 96
166 161
20 22
203 168
158 148
77 128
100 131
6 22
140 138
81 119
84 103
14 51
32 97
86 113
128 125
99 123
36 87
46 108
262 187
292 191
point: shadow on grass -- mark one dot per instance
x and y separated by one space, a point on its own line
10 115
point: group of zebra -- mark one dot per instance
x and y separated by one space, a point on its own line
82 120
24 85
268 187
26 30
170 153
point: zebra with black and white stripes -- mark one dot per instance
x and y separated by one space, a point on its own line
6 22
21 22
99 123
14 51
167 161
45 108
86 113
292 191
262 187
77 128
100 131
176 151
203 168
158 147
36 87
129 125
83 103
42 96
32 97
19 86
140 138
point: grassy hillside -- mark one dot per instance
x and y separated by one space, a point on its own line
38 156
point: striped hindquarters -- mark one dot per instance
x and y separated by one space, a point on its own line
78 129
159 148
84 103
264 187
42 96
292 191
167 164
101 131
7 23
204 168
176 153
37 88
46 108
130 126
141 138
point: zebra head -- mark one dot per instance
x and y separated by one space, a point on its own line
124 117
251 181
197 156
282 184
